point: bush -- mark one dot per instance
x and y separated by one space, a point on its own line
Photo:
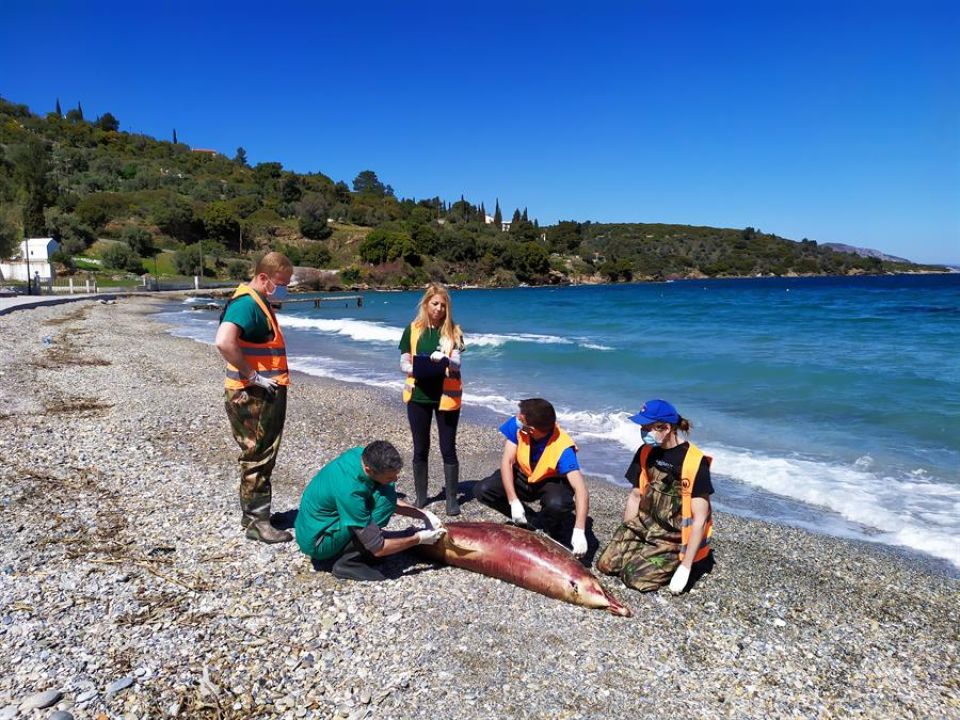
238 270
316 255
139 240
122 257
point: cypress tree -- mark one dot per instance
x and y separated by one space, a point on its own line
497 215
80 109
58 111
174 136
524 216
483 213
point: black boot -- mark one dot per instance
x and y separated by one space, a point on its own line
451 477
354 564
420 482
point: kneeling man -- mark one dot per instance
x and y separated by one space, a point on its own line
539 462
346 506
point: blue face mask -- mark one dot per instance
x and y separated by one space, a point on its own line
650 439
280 292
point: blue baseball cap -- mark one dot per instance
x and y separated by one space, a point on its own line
654 411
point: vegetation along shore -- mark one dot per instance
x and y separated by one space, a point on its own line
124 204
128 591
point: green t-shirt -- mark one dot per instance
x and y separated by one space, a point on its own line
338 497
247 315
427 391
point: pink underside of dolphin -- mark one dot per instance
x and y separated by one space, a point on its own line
523 558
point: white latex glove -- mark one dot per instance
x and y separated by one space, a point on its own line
517 513
406 366
436 356
679 580
433 520
266 383
579 542
430 537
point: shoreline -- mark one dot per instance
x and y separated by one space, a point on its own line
126 584
483 419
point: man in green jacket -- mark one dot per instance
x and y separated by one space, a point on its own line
347 504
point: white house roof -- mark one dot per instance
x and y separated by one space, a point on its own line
39 248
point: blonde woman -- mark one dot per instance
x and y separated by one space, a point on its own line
430 356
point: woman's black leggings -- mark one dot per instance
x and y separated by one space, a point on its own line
447 420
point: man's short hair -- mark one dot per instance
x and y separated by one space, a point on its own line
273 262
380 456
539 413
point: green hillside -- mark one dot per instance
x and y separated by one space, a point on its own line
86 181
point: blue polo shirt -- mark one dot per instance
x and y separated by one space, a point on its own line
568 458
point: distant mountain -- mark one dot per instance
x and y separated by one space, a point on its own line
864 252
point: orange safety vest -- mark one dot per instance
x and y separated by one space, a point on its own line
269 358
452 384
691 463
547 464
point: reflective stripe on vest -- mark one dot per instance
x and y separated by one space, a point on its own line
547 464
452 392
688 474
269 358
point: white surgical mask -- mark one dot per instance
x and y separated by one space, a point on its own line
650 439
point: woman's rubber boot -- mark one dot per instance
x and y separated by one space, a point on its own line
420 482
354 564
451 477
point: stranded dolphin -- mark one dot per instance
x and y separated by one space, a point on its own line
524 558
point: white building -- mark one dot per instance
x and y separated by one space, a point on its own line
38 250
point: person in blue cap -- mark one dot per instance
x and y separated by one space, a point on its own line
667 520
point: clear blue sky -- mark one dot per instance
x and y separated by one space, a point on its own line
836 121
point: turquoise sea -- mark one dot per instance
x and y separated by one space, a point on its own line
827 403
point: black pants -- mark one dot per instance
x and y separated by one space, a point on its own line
555 494
447 421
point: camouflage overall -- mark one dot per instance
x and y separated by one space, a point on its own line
645 550
257 424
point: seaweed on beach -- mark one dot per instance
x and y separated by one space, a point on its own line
69 406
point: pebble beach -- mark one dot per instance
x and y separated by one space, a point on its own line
128 590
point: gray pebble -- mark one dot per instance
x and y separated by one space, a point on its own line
61 715
41 700
118 685
86 695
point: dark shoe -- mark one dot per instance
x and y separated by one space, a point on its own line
420 482
245 521
354 565
451 477
263 531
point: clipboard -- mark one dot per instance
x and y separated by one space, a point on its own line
424 367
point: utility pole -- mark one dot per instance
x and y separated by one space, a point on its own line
26 254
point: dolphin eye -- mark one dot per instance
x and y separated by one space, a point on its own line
574 587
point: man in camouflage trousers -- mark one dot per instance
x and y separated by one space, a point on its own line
251 342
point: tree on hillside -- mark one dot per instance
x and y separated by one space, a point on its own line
241 157
312 213
67 228
31 169
9 238
174 136
221 224
57 109
121 257
515 220
108 122
139 240
367 183
497 215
